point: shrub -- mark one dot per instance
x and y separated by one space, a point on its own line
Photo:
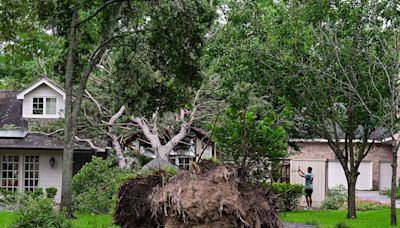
13 200
36 193
95 186
366 205
341 224
387 192
40 213
312 222
336 199
289 195
51 192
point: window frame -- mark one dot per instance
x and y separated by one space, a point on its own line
45 105
21 172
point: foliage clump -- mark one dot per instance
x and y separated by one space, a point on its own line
336 199
40 212
289 195
95 186
51 192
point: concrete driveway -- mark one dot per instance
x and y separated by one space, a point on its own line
375 196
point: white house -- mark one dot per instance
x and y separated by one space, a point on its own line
27 160
32 160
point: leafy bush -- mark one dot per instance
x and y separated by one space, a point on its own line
289 195
342 224
387 192
336 199
312 222
36 193
40 213
366 205
13 200
51 192
95 186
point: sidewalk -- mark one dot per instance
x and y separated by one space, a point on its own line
294 225
375 196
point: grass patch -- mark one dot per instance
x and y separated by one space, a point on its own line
82 221
327 219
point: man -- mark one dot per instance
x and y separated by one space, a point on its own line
308 187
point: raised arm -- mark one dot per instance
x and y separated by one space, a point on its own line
301 173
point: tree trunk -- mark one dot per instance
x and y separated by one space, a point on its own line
119 153
69 138
393 194
351 196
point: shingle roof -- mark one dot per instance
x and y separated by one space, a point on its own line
11 110
37 141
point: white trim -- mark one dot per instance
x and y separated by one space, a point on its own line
45 115
341 140
21 95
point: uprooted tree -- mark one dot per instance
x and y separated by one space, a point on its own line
162 132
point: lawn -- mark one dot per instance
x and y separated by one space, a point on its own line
82 221
373 218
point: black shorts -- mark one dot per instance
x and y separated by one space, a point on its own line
308 192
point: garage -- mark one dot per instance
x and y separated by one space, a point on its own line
337 177
319 171
385 175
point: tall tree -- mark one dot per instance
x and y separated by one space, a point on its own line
306 52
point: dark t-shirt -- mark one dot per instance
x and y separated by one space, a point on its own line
309 180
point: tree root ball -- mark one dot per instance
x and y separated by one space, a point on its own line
216 197
133 206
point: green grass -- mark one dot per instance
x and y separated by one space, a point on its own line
369 219
82 221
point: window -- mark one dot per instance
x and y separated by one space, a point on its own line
182 162
51 106
10 172
37 106
31 172
44 106
285 171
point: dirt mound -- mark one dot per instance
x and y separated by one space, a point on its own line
133 207
215 198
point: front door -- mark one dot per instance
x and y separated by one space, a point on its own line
10 172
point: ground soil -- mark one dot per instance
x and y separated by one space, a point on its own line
133 206
215 196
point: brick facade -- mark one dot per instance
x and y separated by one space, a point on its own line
321 150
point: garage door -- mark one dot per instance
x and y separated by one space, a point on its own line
336 175
385 175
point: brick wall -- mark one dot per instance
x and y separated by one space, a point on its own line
321 150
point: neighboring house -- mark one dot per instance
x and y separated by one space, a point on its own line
375 169
32 160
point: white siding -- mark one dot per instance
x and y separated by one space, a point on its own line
208 152
42 91
48 177
385 175
337 177
319 172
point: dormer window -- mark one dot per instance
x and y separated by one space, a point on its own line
38 106
44 106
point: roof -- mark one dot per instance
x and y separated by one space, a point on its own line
11 110
38 141
42 81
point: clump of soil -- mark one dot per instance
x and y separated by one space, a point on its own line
133 206
214 197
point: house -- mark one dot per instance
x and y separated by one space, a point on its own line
375 169
31 160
